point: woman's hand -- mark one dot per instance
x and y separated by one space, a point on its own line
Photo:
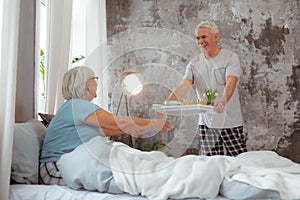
137 132
160 125
155 124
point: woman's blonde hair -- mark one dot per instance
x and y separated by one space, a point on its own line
74 82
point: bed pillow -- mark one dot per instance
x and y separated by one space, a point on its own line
28 138
239 190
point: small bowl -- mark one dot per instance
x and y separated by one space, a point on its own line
202 102
172 103
188 102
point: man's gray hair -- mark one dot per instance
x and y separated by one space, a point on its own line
74 82
208 24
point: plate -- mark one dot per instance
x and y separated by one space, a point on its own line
172 103
183 109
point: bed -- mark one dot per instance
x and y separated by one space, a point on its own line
55 192
255 175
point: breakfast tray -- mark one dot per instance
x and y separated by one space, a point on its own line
179 110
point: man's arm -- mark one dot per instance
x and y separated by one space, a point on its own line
180 91
231 82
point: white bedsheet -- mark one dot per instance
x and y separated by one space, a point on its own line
55 192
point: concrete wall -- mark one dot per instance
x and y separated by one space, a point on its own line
25 98
156 38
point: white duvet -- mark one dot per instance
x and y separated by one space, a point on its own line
267 170
156 176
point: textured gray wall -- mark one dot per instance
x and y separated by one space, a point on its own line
156 38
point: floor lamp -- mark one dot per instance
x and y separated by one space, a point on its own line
131 84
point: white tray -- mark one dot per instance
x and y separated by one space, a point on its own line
183 109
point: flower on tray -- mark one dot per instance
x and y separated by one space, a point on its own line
210 95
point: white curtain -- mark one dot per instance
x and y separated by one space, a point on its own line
96 46
59 16
87 17
9 26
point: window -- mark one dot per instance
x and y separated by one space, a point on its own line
42 71
78 45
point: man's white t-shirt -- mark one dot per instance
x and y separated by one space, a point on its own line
211 74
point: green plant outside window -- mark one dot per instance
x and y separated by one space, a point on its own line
43 69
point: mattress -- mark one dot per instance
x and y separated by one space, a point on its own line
55 192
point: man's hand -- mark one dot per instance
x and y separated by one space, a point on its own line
219 107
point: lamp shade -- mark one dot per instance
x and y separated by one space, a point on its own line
131 83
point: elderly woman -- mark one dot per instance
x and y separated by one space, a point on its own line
79 120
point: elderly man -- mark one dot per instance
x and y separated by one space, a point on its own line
218 69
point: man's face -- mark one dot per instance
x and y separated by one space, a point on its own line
206 40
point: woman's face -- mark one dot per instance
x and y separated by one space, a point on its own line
92 85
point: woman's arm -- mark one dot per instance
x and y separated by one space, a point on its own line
114 125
